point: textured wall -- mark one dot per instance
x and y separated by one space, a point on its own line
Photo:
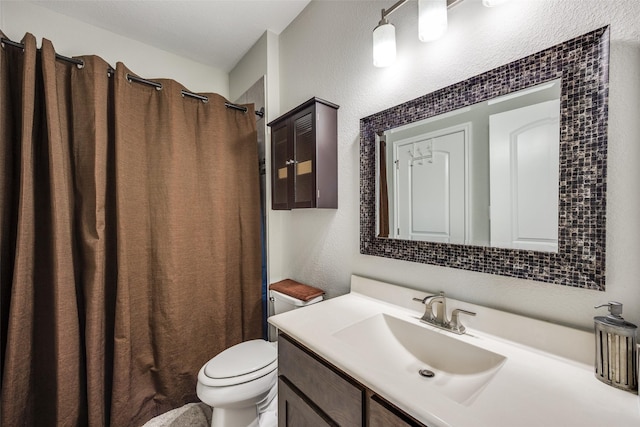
326 52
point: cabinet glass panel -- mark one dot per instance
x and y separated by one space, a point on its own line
304 149
281 168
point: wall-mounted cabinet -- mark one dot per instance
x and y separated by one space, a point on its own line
304 157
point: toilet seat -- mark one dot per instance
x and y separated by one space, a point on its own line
240 363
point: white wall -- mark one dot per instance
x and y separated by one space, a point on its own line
326 52
71 37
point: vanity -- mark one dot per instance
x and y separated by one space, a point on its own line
361 359
313 392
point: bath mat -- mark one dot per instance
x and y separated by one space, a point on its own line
189 415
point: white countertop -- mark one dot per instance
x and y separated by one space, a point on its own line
546 380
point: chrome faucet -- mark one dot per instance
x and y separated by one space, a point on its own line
440 318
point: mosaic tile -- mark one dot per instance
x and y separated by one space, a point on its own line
582 63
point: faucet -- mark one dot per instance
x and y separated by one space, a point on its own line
440 318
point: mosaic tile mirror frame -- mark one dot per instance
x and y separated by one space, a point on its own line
582 64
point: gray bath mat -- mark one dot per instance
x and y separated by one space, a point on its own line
189 415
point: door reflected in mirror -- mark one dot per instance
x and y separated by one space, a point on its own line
482 175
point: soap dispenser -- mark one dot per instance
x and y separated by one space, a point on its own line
616 349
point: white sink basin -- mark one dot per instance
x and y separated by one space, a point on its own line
403 348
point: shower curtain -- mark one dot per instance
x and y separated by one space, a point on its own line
129 240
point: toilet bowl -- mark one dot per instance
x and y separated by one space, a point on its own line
242 380
237 381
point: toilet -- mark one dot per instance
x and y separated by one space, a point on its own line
241 382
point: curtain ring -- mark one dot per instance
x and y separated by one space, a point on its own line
4 42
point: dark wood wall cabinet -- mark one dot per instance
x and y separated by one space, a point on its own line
312 392
304 157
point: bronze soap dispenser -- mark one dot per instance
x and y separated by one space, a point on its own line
615 349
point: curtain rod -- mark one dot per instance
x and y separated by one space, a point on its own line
78 62
110 71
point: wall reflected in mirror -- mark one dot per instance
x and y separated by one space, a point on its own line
482 175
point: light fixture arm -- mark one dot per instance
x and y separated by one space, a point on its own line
387 12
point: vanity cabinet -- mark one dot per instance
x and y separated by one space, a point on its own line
295 410
331 394
383 414
304 157
312 392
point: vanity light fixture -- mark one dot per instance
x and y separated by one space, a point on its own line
384 43
432 24
493 3
432 19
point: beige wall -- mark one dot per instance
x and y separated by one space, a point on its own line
326 52
72 37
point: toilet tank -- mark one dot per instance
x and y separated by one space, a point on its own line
283 303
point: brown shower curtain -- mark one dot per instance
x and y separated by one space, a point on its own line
129 238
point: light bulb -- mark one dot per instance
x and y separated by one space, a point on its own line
493 3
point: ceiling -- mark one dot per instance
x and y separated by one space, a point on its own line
217 33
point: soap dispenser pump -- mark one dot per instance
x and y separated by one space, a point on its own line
615 349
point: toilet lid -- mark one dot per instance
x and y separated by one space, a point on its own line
241 359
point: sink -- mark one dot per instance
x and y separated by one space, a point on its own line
411 352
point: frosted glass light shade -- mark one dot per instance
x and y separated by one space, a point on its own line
384 45
432 19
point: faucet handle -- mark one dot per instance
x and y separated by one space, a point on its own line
455 324
428 312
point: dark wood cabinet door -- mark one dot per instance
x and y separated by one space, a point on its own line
383 414
281 168
295 411
304 158
329 390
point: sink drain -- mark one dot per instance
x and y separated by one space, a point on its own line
427 373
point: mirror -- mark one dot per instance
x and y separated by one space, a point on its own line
577 68
486 174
